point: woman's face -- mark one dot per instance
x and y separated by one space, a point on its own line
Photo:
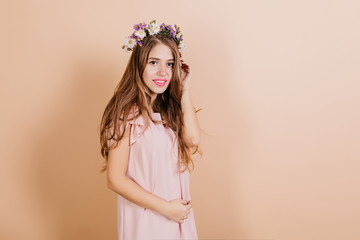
158 70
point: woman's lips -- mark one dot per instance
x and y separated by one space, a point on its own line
160 82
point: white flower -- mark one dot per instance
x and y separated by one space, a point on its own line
181 47
178 36
154 28
140 33
129 42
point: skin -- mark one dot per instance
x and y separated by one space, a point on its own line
159 65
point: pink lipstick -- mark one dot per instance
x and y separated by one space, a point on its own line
159 82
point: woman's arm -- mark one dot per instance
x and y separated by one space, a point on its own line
118 182
191 130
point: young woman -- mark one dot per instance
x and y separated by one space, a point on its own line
148 132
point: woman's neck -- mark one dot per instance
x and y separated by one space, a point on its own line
153 97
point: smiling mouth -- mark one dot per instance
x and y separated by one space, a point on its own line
160 82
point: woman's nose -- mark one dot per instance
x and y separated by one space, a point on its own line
162 70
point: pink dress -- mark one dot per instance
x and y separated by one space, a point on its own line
153 164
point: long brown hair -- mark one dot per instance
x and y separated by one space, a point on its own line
132 91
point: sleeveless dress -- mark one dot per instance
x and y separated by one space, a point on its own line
153 164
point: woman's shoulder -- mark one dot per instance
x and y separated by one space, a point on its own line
135 117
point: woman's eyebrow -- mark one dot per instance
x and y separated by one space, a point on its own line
159 59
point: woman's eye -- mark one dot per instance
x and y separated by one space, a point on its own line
171 64
152 62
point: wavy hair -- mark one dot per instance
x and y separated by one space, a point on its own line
132 91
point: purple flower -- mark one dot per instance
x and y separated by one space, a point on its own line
162 26
137 27
142 25
172 32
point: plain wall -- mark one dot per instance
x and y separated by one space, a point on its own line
278 82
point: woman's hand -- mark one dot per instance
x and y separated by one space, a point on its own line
185 74
177 210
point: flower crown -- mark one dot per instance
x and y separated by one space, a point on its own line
142 30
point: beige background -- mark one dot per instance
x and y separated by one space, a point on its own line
278 82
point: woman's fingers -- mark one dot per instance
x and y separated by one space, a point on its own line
183 218
183 62
187 210
184 65
185 68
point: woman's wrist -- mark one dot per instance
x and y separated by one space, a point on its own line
185 87
185 93
163 208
